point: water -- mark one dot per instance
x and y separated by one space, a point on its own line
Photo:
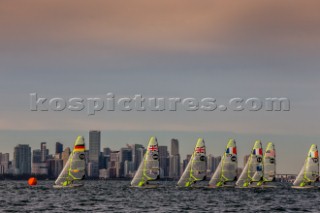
116 196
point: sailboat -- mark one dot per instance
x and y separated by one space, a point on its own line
74 170
197 166
269 167
149 168
253 171
226 171
309 173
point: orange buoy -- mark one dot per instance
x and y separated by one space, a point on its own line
32 181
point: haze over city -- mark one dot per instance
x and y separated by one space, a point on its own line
219 49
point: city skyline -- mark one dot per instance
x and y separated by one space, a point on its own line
107 163
242 151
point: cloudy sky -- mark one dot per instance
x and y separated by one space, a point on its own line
220 49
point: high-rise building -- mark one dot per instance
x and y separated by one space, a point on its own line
44 151
55 167
22 159
125 155
128 169
94 152
59 147
114 164
38 167
174 170
164 161
174 163
4 163
137 152
36 156
106 151
174 147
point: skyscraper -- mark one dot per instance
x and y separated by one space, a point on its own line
4 163
94 152
137 152
22 159
125 155
44 151
55 167
164 161
174 146
36 156
59 147
174 163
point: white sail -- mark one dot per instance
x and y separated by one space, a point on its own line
310 170
149 168
269 163
227 168
253 170
75 166
196 168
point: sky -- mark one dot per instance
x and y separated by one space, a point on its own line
220 49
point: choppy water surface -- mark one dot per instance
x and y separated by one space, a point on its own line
116 196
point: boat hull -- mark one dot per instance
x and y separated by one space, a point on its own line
145 187
304 187
69 186
219 187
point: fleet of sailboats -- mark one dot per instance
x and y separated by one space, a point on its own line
259 171
74 170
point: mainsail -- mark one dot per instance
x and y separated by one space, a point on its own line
269 164
253 171
149 167
310 170
227 168
75 166
197 166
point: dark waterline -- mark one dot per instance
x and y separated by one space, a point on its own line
117 196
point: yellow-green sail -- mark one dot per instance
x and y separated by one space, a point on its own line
269 164
310 170
197 166
253 165
75 166
227 168
149 168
